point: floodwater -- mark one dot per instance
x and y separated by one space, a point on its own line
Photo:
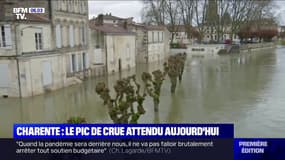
244 89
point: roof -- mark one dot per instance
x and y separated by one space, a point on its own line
111 29
149 27
110 17
154 27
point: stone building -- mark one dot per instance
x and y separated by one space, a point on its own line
210 34
46 51
70 26
152 42
180 35
113 45
110 19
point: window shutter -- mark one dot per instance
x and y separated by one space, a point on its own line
36 41
40 41
77 62
1 44
82 35
80 60
85 35
58 35
87 60
7 29
70 63
71 36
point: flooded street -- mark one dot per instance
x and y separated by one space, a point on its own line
245 89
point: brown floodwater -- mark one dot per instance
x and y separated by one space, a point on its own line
244 89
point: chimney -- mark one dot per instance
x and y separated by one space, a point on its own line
100 19
125 25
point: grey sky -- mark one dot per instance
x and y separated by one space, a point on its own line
126 8
132 8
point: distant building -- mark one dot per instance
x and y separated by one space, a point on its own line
281 29
44 52
211 35
109 19
113 45
152 42
281 32
180 35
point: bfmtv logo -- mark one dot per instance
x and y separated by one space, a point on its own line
21 12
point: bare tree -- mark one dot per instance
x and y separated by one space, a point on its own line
172 16
186 9
154 12
219 16
200 16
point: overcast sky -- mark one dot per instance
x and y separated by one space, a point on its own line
124 9
132 8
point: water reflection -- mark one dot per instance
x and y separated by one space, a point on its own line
245 89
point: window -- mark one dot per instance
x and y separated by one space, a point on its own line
38 41
158 37
70 8
98 56
152 36
79 62
73 63
5 36
81 7
83 34
71 36
58 5
58 35
85 60
162 36
76 5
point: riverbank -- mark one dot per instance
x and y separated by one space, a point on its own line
202 50
244 48
199 50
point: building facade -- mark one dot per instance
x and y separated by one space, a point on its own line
113 45
44 52
211 35
179 35
152 43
